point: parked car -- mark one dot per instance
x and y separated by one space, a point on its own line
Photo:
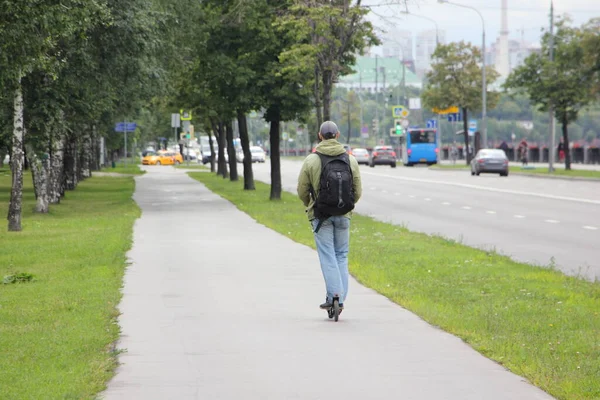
383 155
490 160
361 155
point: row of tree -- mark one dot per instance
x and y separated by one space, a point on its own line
279 56
564 75
68 71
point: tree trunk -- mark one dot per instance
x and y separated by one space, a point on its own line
248 173
39 175
86 155
56 170
70 164
466 136
327 87
221 163
275 159
16 193
212 151
565 133
233 174
317 95
2 155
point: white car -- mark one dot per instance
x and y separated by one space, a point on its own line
258 154
361 155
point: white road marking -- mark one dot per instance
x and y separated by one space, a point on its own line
427 199
466 207
397 194
490 212
446 203
384 191
590 228
412 196
373 188
519 216
489 189
552 221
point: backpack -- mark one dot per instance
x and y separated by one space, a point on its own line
336 189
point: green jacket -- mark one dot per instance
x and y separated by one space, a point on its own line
310 175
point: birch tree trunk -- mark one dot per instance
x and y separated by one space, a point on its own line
56 168
16 193
86 155
70 164
40 179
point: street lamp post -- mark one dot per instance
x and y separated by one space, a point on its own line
483 84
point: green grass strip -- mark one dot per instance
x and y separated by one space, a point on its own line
57 330
131 168
537 322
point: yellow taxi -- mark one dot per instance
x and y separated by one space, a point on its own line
178 156
160 158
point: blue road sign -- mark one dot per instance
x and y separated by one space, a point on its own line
472 126
120 127
456 117
432 124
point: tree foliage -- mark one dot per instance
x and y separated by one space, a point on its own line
564 82
455 80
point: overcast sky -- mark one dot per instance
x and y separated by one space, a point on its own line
525 17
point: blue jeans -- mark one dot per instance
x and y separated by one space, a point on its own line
333 241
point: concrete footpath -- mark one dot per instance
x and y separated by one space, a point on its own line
217 306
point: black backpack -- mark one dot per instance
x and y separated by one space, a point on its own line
336 189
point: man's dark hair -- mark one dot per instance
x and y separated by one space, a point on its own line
328 130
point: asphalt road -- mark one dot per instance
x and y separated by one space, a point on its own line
547 222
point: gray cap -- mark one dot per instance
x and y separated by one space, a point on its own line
328 130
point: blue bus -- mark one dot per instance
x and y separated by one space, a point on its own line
420 147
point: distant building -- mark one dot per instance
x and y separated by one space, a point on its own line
425 46
390 74
398 44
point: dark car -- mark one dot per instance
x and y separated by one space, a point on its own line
490 160
383 155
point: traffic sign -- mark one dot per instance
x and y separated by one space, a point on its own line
449 110
454 117
175 120
120 127
400 112
284 135
472 126
405 123
414 103
432 124
185 115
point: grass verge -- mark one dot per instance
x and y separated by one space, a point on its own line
194 166
58 326
537 322
132 168
558 172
